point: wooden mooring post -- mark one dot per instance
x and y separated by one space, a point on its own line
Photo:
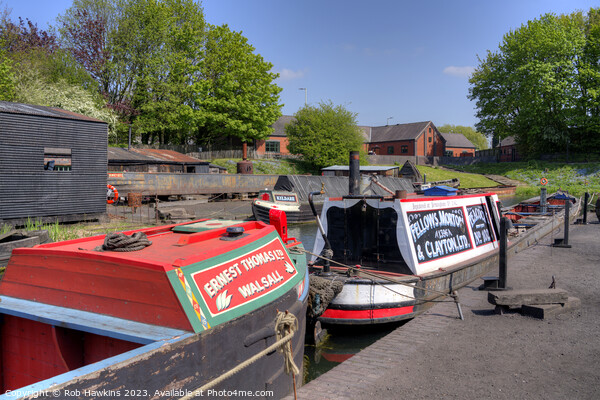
564 242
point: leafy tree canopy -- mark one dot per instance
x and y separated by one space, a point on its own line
235 94
541 85
324 135
35 70
170 75
477 138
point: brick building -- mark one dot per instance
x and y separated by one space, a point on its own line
457 145
413 139
277 143
508 149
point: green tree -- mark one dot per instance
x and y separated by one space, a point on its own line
234 94
477 138
324 135
38 72
531 87
7 76
163 41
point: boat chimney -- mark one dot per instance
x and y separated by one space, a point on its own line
354 188
400 194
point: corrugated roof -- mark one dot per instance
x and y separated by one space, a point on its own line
120 154
391 133
279 125
43 111
457 140
169 155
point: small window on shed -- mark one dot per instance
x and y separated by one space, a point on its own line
390 149
57 159
429 139
404 149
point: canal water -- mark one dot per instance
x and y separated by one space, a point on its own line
342 343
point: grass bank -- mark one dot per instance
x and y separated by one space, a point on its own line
576 178
467 180
59 232
284 166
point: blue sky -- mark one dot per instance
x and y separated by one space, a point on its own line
408 60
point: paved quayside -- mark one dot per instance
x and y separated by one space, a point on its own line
489 355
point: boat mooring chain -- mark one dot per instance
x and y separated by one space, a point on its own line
350 268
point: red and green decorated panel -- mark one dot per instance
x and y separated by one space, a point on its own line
229 285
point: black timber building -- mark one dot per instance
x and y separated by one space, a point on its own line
53 164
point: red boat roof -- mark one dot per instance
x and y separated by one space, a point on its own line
137 285
172 245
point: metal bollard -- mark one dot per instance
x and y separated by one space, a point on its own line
543 201
586 199
502 256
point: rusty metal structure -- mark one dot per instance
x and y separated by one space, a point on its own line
168 184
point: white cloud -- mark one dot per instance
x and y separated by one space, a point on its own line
461 72
289 75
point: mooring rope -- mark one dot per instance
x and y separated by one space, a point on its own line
284 321
362 271
121 242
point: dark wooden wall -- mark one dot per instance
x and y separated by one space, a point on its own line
27 190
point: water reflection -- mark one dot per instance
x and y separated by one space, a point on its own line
511 200
340 344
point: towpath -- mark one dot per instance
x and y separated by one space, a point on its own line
490 356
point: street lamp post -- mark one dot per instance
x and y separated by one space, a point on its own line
305 95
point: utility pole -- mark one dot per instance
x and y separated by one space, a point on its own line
305 95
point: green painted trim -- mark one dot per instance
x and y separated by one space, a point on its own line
299 264
184 301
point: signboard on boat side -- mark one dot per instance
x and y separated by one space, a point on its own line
438 233
245 278
480 225
287 198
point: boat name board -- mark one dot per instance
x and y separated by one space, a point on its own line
438 233
480 224
245 278
288 198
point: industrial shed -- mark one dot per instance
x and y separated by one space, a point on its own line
52 164
156 160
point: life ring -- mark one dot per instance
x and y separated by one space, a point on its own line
115 198
544 181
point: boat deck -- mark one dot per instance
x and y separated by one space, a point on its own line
170 245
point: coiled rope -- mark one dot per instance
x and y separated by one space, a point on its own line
284 321
122 242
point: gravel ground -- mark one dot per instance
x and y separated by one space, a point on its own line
512 356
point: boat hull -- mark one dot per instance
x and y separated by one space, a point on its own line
375 299
303 214
175 367
158 323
